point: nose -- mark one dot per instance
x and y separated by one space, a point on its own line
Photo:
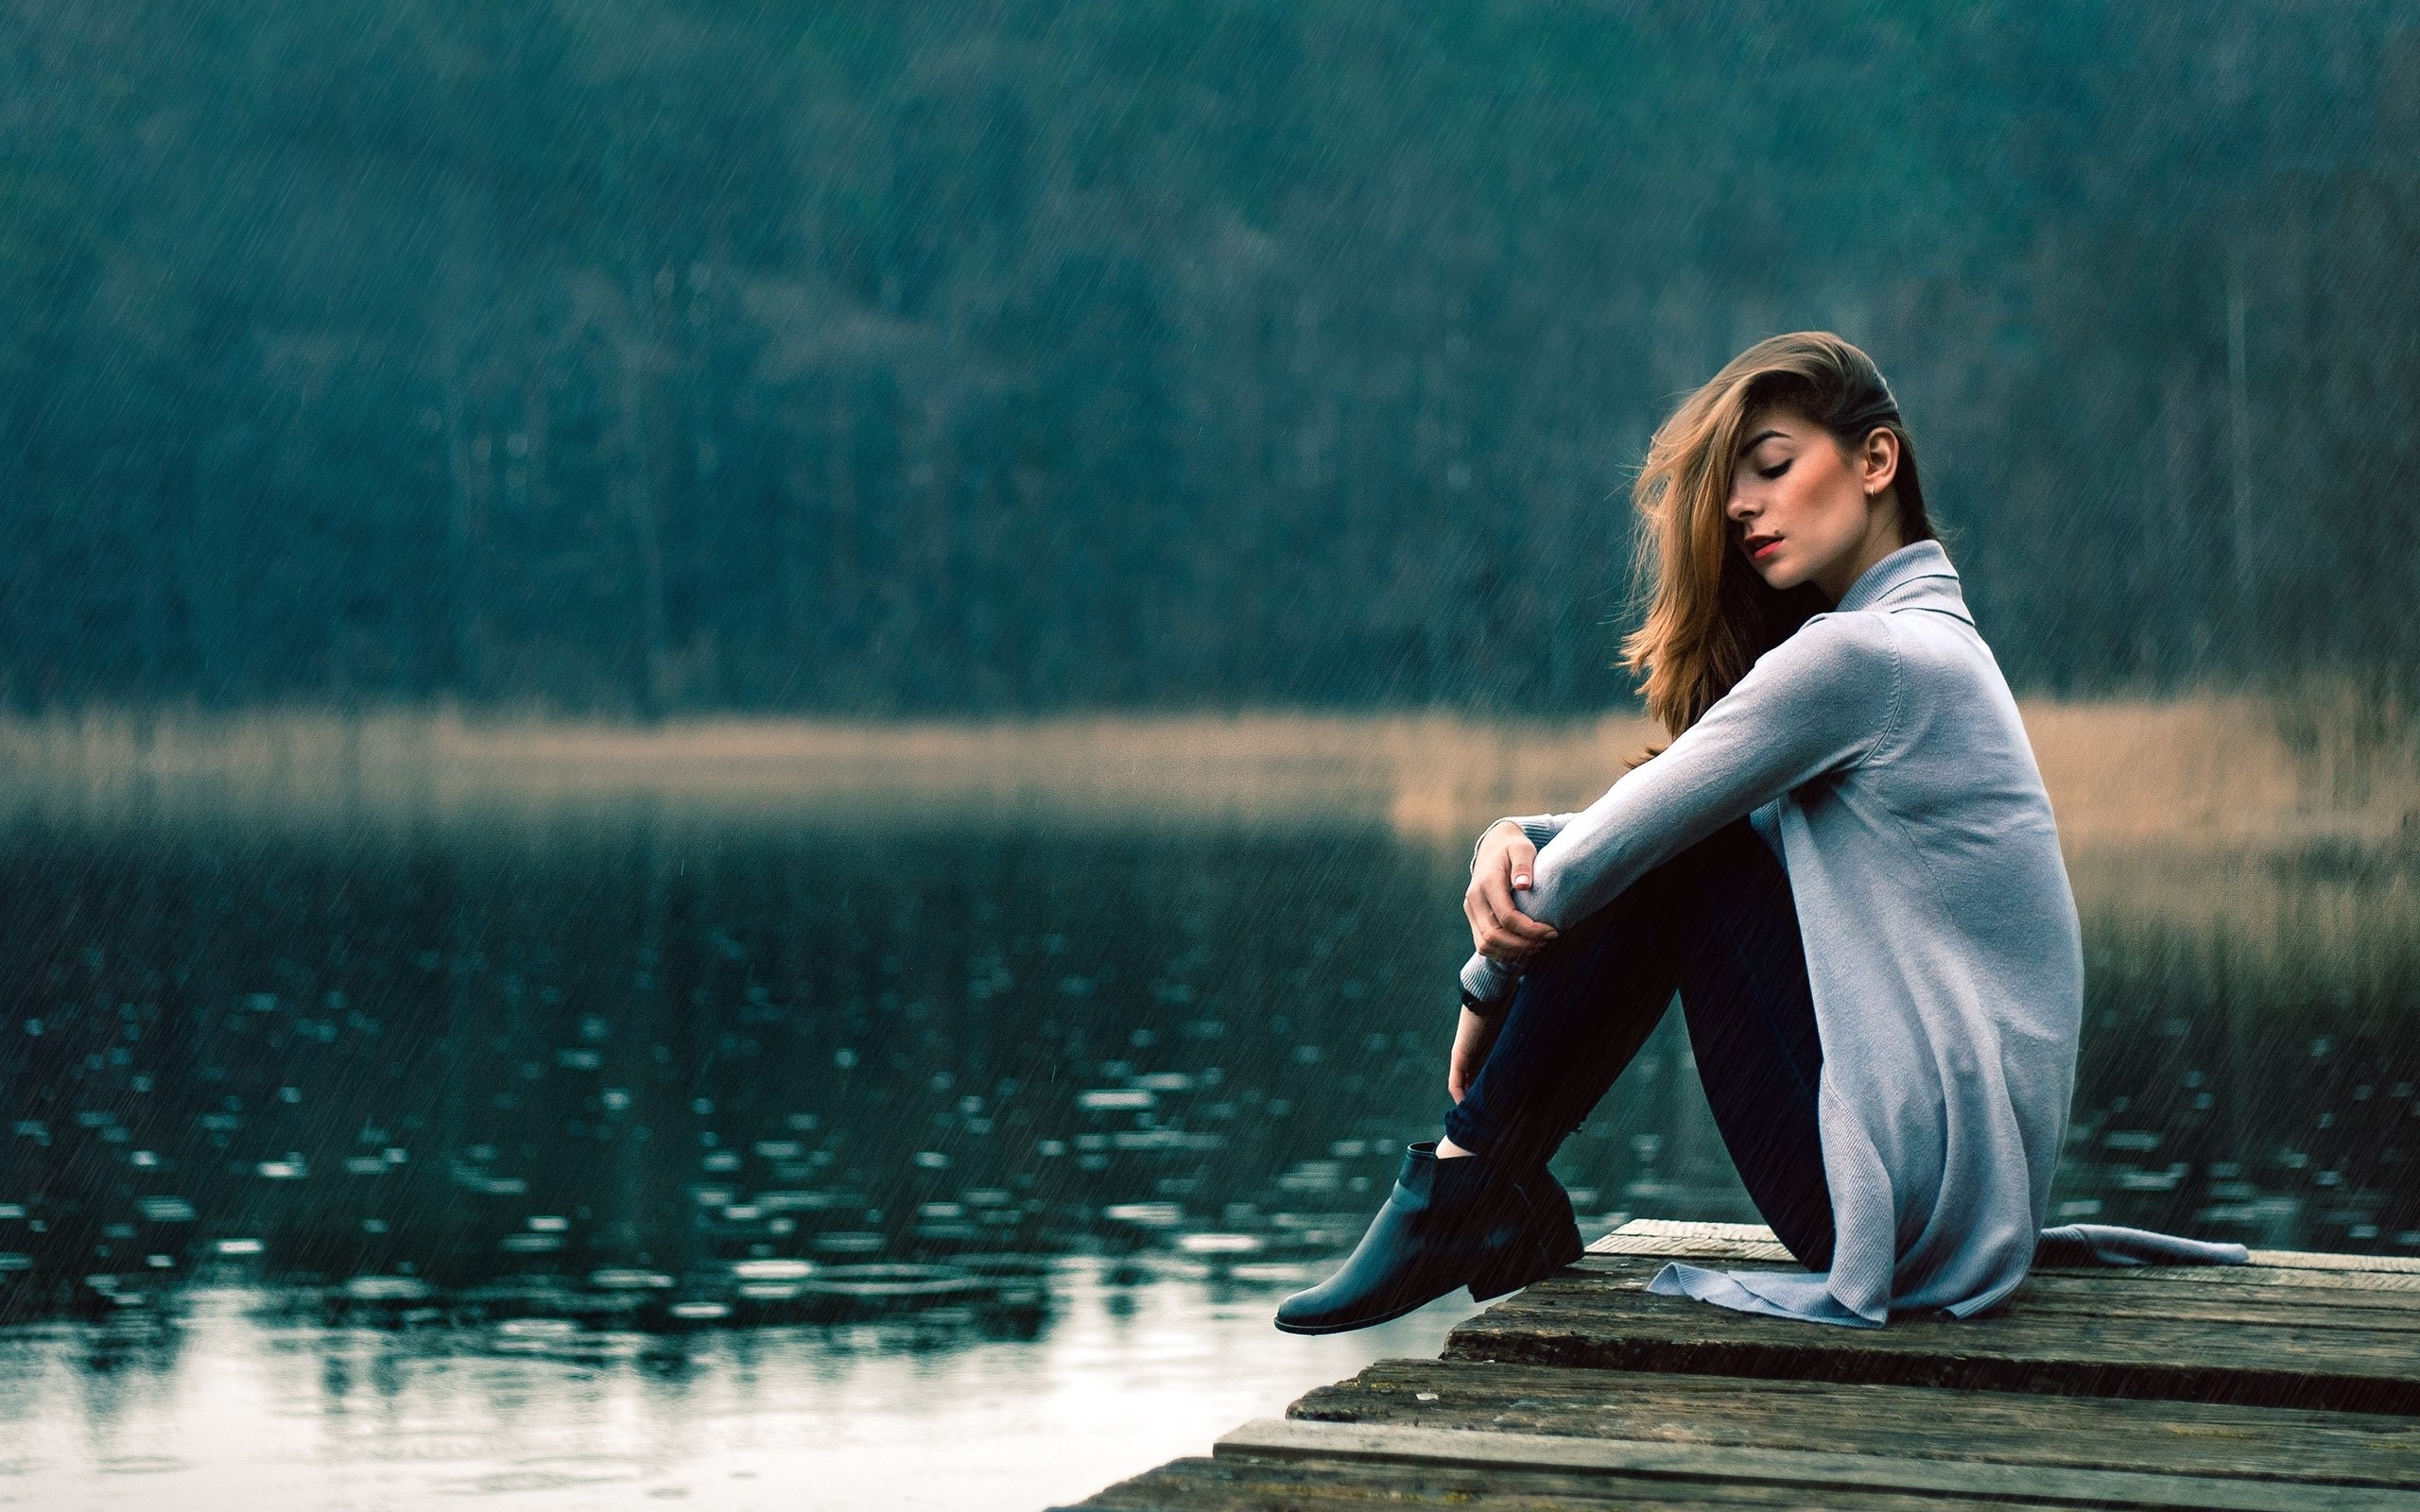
1737 507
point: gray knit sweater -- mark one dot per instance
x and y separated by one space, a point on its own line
1879 748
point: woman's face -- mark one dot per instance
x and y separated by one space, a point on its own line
1801 511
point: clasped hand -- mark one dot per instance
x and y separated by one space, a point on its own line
1506 863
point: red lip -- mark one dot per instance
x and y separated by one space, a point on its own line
1757 545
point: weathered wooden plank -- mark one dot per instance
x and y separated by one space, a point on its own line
1825 1473
2367 1283
1579 1320
2133 1294
2258 1322
2162 1437
1677 1240
2292 1382
2219 1310
1678 1230
2357 1288
1238 1483
2269 1295
2320 1260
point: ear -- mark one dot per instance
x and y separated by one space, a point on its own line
1879 459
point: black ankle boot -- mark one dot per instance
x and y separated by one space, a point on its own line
1464 1221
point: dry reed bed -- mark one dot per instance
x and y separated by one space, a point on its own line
2212 824
2158 804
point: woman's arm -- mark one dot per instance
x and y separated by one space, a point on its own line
1501 870
1825 698
1539 828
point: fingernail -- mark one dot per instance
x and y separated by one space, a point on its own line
1520 879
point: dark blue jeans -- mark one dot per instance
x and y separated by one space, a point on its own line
1716 924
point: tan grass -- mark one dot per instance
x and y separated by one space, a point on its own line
2204 778
2223 836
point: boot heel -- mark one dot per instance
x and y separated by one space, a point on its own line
1528 1263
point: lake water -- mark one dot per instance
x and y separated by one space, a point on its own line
611 1160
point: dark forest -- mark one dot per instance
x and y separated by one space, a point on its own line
642 357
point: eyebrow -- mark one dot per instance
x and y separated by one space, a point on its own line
1758 440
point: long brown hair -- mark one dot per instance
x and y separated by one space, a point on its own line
1709 616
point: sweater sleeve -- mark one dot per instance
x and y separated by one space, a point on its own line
1824 699
1539 828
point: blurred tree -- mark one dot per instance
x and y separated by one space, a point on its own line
657 355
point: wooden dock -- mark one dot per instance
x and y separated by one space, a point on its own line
2292 1383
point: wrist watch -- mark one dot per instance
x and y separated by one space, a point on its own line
1485 1010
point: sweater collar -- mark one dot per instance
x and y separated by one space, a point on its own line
1916 575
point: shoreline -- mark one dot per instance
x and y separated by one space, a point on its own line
2192 773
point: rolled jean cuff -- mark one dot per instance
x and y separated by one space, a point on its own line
1468 1129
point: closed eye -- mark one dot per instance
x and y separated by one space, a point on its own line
1776 470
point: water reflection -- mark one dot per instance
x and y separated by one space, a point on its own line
647 1076
235 1407
2254 1078
576 1119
